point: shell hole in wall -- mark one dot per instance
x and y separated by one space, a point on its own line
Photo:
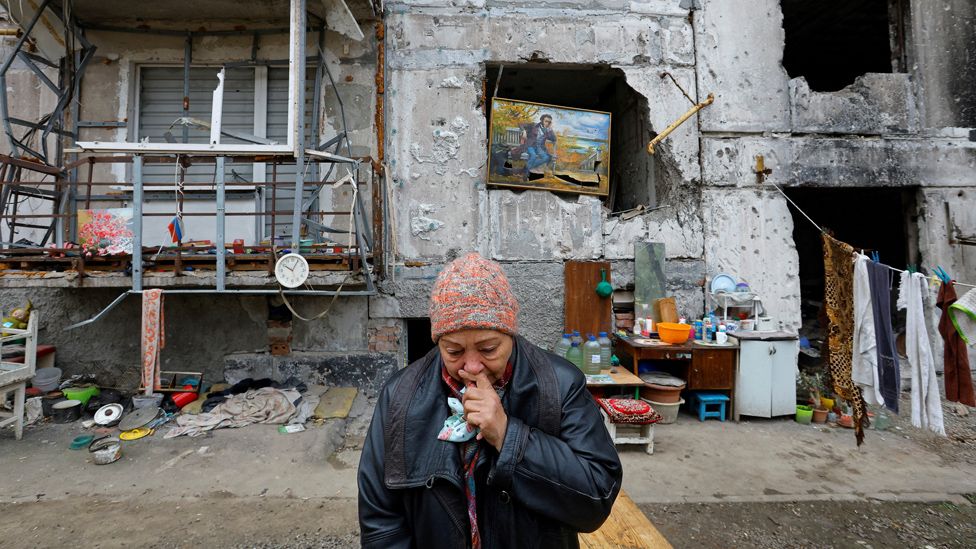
832 42
872 219
633 172
418 338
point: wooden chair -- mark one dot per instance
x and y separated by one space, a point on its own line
14 375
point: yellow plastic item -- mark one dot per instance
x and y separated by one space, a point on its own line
135 434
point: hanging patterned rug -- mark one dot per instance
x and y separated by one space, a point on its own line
839 299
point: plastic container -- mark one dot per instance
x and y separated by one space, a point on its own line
668 410
661 393
143 401
47 379
804 414
672 332
606 350
592 356
576 338
575 355
562 345
82 394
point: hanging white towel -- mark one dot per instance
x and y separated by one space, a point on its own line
926 401
933 314
864 363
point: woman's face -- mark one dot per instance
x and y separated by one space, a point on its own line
476 351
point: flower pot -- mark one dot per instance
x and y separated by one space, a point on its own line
827 403
846 421
820 415
804 414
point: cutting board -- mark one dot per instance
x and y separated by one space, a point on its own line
584 310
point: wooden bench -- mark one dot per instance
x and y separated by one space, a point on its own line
626 528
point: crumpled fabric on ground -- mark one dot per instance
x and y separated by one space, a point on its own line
267 405
839 303
305 408
864 360
926 401
958 378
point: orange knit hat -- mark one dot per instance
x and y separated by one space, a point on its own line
472 293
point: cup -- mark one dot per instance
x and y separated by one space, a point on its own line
721 337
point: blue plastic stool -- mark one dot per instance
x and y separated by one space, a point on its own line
711 399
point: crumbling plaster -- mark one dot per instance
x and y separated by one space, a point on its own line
200 329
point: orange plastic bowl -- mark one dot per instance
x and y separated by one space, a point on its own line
672 332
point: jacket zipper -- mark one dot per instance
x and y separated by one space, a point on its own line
448 508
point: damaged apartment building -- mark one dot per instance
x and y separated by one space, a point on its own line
202 116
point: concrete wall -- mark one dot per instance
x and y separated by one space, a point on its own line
711 210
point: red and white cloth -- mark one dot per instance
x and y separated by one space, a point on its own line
153 337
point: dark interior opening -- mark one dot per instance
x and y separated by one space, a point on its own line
418 338
832 42
633 172
872 219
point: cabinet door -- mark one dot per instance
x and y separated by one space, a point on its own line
754 382
784 368
712 369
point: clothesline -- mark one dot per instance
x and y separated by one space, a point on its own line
814 223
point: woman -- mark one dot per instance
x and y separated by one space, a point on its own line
522 458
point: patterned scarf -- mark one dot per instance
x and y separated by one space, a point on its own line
471 448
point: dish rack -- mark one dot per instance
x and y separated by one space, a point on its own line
14 375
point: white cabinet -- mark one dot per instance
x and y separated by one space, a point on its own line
765 383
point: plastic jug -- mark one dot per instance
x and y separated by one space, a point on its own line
575 355
562 345
606 350
592 356
576 338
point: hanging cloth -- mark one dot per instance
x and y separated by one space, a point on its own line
864 363
889 376
958 379
839 302
153 339
963 316
926 402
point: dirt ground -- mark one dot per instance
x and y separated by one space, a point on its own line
822 524
759 483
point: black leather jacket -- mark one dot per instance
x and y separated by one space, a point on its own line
557 474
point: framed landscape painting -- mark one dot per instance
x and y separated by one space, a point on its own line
539 146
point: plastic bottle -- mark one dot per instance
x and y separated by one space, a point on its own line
577 338
575 355
592 356
606 350
562 345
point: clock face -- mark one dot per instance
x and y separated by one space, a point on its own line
291 270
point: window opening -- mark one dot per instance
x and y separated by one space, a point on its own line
832 42
592 87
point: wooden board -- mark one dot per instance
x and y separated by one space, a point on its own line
626 528
586 311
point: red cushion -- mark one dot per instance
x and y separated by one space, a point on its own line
629 410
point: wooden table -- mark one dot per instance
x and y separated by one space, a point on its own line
703 367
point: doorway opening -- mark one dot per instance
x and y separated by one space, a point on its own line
882 220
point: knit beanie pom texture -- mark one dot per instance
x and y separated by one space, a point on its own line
472 293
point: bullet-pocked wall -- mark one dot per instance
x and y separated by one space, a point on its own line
442 64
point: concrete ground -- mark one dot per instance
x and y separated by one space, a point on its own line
256 487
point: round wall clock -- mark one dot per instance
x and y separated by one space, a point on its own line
291 270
